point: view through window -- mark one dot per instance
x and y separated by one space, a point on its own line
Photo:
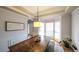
51 29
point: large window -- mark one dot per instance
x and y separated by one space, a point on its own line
51 29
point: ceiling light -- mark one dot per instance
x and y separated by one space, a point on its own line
37 23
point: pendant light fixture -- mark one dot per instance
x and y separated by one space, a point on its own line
37 23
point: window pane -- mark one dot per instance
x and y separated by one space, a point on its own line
41 29
57 30
49 29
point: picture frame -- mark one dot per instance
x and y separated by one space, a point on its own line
14 26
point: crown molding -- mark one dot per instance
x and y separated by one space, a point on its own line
70 9
18 10
51 13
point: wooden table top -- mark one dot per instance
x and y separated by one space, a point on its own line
41 45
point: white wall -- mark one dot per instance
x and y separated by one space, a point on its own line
14 36
75 27
65 26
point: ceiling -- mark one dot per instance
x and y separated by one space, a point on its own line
45 12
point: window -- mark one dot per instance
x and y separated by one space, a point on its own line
49 29
52 29
57 30
41 29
